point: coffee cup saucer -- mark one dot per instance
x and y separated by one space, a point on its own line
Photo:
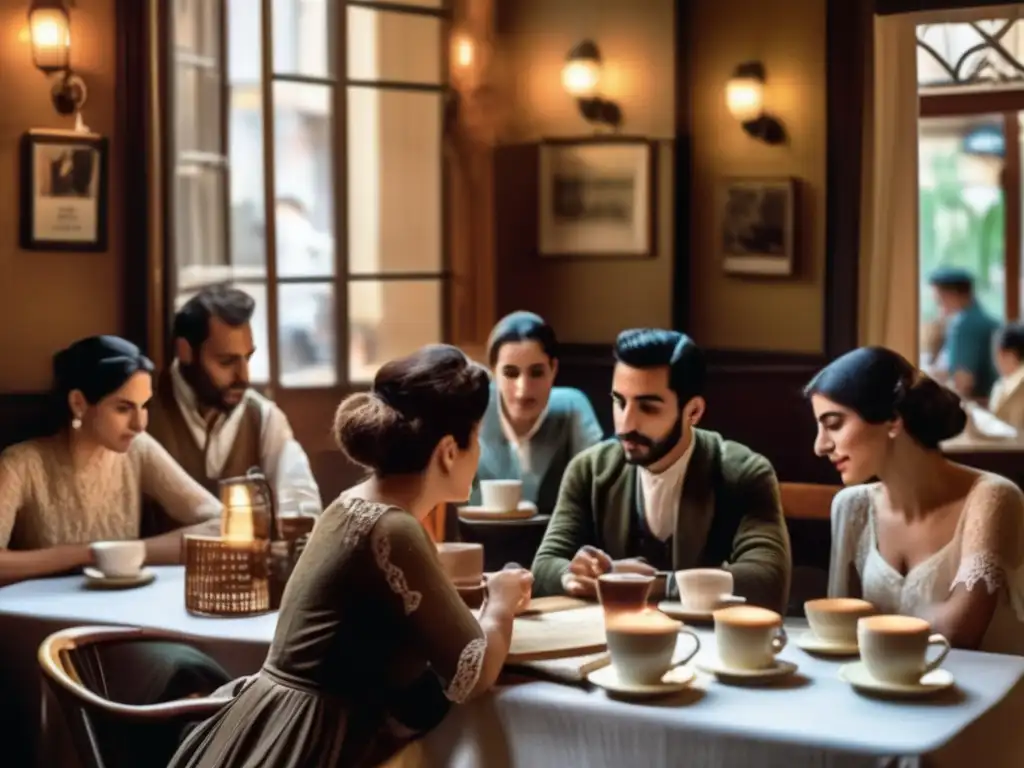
811 643
856 674
675 680
778 670
676 610
96 579
523 511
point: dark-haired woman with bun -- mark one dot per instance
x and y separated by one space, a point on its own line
373 642
916 533
85 483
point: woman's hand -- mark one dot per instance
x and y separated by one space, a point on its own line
510 587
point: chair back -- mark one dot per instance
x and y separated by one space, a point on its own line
74 672
807 501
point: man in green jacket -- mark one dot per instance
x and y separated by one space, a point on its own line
663 495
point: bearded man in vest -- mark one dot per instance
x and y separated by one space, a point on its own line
207 416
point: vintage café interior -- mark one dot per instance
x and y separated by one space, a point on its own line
528 383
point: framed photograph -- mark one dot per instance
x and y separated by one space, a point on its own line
63 191
596 198
757 221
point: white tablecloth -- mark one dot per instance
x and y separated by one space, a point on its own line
813 720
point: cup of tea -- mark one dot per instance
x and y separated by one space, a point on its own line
118 559
462 562
705 589
748 637
623 592
894 648
643 645
501 495
834 619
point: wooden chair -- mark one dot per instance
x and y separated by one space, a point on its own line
808 508
74 674
807 501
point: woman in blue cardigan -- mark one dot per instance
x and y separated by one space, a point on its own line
532 429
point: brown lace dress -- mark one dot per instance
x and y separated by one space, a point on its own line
372 641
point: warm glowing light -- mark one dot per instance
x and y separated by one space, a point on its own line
237 522
463 53
744 96
581 77
50 33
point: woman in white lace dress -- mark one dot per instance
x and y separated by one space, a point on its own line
928 537
373 641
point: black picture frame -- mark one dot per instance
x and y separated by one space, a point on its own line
64 191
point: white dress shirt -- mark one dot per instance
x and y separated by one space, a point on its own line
521 443
662 493
281 457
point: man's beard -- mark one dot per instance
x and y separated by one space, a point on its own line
208 395
657 449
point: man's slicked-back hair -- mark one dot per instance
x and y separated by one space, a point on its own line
229 305
656 347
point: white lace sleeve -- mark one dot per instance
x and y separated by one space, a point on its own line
851 508
992 543
471 661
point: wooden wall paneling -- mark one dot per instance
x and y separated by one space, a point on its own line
471 137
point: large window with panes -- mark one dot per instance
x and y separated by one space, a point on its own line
305 167
971 96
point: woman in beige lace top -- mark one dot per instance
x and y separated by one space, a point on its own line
931 538
85 483
372 637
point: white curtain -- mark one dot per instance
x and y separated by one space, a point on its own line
889 196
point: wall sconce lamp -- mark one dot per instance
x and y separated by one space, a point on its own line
744 96
49 23
581 78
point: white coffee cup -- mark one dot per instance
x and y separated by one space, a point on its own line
642 646
705 589
834 619
748 637
462 562
894 648
501 495
118 559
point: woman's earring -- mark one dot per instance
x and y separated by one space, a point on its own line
76 423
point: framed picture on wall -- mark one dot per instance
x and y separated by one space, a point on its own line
596 198
64 191
756 225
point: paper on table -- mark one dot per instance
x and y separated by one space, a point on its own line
573 669
983 423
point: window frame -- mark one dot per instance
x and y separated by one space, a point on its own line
339 83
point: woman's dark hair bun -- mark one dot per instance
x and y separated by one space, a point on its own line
931 413
880 385
366 429
415 402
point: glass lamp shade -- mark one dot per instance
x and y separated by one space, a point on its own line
50 30
248 509
581 74
744 96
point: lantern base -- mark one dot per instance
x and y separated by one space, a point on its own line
69 93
